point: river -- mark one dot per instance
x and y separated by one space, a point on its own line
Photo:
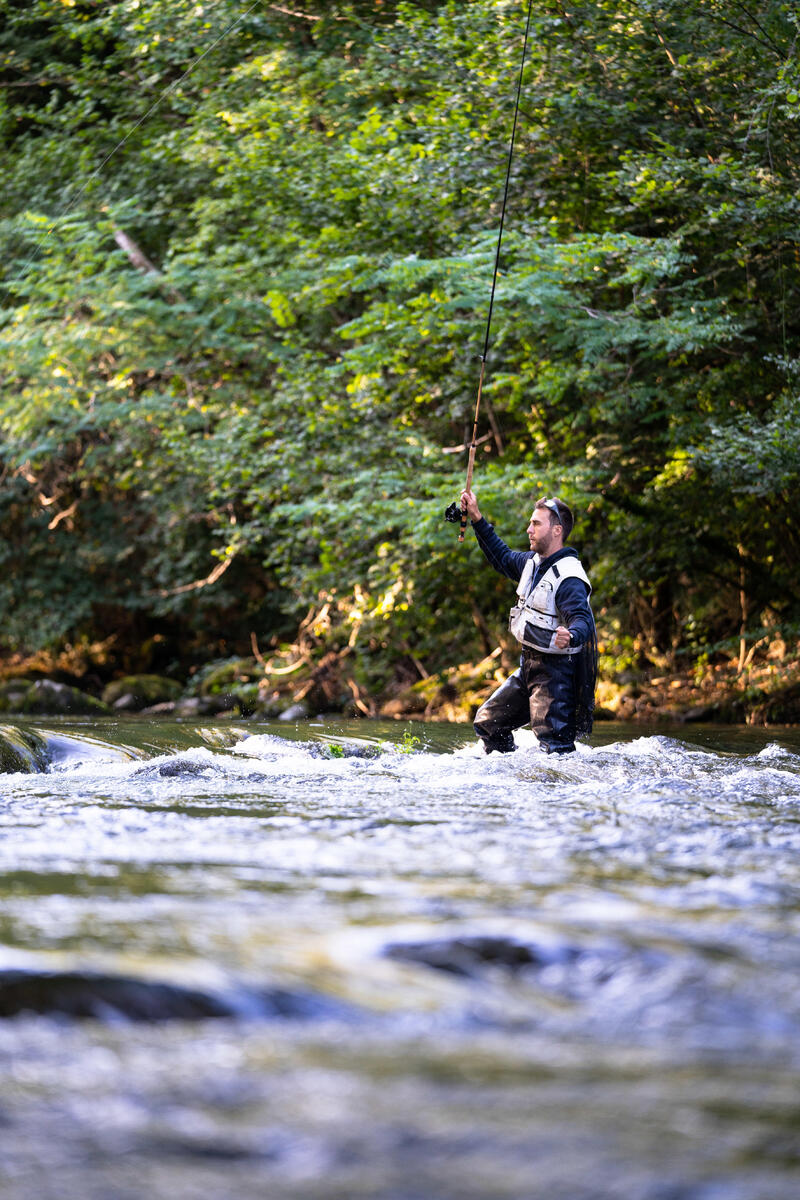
251 961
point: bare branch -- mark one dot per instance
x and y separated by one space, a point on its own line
749 34
288 12
218 571
487 437
758 25
135 253
257 655
142 263
494 425
301 662
64 515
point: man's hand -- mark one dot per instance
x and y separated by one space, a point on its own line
561 639
469 502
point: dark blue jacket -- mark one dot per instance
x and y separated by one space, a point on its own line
573 594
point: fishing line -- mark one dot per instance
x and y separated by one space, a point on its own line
452 512
71 204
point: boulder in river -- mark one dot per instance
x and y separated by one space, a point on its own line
45 696
21 751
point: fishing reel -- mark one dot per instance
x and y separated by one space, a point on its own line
458 516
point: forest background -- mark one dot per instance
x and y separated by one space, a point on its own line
247 255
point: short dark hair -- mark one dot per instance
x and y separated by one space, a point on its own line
560 513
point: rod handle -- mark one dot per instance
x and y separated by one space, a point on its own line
463 525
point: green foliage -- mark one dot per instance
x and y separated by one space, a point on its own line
248 255
409 744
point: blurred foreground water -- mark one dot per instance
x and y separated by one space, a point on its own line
252 962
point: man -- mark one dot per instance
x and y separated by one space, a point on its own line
553 687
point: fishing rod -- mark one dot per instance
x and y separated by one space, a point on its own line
455 513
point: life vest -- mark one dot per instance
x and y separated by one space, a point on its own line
535 618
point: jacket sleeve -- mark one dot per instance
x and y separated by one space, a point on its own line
572 602
508 562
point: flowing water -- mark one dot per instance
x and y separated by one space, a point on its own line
258 962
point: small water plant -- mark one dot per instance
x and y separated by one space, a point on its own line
409 744
335 750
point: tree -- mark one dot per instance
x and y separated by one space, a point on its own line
250 255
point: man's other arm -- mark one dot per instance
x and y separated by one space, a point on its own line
572 601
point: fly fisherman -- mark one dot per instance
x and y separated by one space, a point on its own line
553 687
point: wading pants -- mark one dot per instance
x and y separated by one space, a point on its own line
542 691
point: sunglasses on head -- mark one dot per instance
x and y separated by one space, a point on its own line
553 506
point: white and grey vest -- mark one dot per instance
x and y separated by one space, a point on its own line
535 618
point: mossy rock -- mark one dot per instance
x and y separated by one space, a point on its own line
21 751
45 697
228 676
13 693
235 702
270 704
135 692
246 698
229 704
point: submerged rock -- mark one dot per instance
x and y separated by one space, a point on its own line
83 994
89 995
21 751
179 767
340 750
469 955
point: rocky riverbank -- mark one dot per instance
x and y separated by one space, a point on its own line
296 684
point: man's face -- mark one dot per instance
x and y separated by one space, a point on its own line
540 532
